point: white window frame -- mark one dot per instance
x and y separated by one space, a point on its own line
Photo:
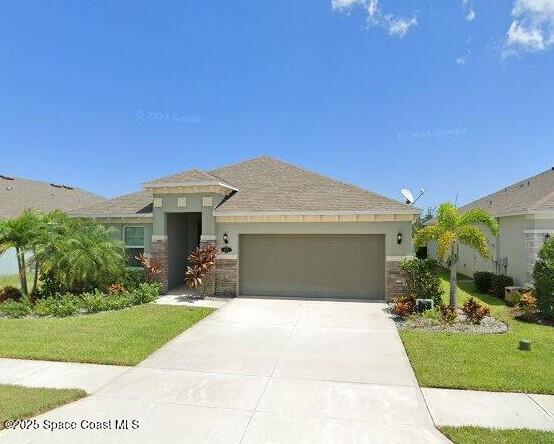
143 236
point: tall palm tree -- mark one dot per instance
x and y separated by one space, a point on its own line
453 228
19 233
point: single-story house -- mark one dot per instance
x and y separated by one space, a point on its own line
525 214
18 195
280 230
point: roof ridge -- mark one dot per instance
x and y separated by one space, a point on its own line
511 187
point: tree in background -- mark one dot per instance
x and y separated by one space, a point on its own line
453 228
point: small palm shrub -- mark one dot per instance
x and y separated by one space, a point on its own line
447 313
404 306
499 282
9 293
483 281
474 311
422 279
543 276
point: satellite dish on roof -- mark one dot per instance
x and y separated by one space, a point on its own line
410 197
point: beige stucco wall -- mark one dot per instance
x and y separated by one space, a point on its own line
194 204
389 229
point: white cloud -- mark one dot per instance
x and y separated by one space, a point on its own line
341 5
468 6
462 59
396 26
400 26
532 29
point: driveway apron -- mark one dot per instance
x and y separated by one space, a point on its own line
262 371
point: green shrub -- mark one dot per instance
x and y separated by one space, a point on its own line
134 276
483 281
422 279
15 309
146 293
51 286
499 282
45 306
543 275
9 293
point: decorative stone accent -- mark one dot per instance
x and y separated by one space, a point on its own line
394 280
160 251
534 240
226 277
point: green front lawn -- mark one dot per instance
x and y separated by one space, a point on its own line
478 435
484 362
17 402
123 337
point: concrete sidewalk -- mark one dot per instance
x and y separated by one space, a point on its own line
490 409
89 377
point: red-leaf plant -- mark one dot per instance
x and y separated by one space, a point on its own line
201 261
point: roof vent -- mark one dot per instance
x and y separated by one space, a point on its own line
11 178
67 187
56 185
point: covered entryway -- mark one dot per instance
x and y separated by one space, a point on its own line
312 266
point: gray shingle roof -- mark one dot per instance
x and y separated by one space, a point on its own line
264 185
186 177
139 203
17 195
527 196
269 185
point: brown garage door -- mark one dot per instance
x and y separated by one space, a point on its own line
331 266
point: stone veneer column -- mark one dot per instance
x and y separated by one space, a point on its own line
226 276
534 240
208 283
160 251
394 278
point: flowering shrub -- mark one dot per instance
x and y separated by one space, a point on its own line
474 311
404 306
201 261
116 289
152 267
447 313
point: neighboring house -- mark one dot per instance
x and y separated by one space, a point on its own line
525 213
288 231
17 195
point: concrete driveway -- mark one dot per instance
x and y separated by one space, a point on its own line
263 371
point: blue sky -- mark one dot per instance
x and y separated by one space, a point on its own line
454 96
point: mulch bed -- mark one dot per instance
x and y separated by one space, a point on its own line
418 322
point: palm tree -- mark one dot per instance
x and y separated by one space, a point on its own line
83 254
453 228
19 233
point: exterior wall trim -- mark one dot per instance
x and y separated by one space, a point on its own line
540 231
207 237
336 217
159 237
397 258
413 211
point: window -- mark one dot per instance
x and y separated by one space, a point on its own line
133 237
